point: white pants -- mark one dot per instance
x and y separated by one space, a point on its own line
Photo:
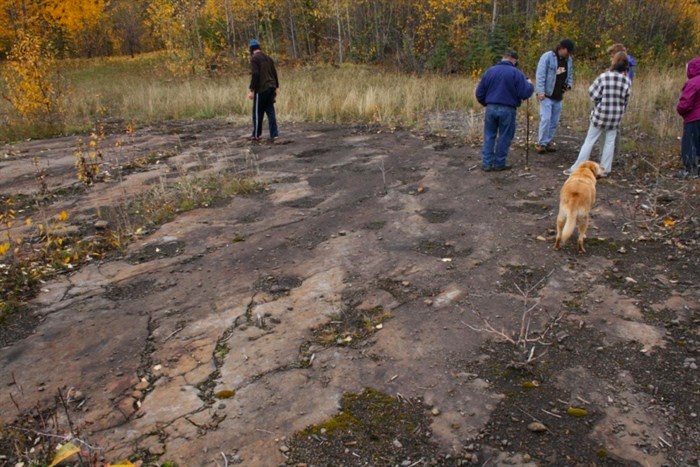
608 148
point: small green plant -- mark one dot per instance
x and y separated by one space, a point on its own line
221 351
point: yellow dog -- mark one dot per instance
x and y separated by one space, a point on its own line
575 202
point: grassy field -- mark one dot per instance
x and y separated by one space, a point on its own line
141 90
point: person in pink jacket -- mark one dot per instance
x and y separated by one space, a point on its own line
689 108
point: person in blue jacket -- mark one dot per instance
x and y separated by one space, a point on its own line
555 76
614 49
502 89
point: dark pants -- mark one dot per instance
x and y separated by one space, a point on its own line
264 103
499 129
690 146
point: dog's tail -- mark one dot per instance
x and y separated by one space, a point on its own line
569 226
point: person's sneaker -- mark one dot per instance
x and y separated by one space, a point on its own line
567 172
486 168
550 148
502 168
604 174
681 174
540 149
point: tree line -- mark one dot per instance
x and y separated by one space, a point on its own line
415 35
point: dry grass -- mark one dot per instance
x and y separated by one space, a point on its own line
338 95
139 90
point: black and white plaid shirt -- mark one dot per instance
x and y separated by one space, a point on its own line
610 92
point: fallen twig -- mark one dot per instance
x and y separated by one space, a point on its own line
180 328
63 438
15 403
550 413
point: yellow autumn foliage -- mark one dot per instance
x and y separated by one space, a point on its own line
32 89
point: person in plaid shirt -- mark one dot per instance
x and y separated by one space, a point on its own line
610 93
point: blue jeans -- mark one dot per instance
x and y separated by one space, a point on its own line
550 111
499 120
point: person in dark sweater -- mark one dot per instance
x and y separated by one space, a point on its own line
501 90
262 90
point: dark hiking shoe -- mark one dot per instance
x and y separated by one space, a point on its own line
501 169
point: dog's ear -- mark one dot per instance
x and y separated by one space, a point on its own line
594 167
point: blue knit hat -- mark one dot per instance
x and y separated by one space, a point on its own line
253 44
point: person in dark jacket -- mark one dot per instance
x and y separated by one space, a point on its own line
262 90
502 89
689 108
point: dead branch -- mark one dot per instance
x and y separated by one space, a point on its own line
489 329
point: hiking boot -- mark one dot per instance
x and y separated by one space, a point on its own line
502 168
540 149
486 168
550 148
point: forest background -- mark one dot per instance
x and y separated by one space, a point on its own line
67 63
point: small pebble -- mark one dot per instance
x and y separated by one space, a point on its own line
536 427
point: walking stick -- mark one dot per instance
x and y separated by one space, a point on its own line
527 135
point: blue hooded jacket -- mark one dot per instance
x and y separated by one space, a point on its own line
503 84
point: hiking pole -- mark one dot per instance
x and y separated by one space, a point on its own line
527 135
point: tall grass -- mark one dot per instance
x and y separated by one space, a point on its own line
138 89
